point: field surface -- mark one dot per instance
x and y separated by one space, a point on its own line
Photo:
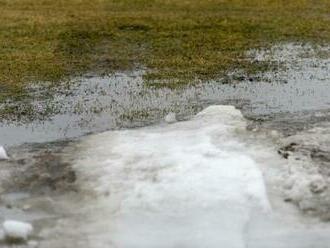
178 42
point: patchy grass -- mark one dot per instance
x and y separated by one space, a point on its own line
178 41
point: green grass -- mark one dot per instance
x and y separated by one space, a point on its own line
177 41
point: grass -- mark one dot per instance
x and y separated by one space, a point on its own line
178 41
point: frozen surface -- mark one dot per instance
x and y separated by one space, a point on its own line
17 230
306 179
170 117
197 183
3 153
177 186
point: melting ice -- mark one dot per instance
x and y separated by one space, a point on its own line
189 184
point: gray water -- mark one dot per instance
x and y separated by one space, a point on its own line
93 104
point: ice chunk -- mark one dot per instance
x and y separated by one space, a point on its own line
3 153
189 184
197 183
170 117
17 230
32 244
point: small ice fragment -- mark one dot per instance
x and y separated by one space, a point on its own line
26 207
3 153
32 244
274 133
170 117
17 230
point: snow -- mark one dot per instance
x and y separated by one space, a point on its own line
170 118
32 244
189 184
3 153
197 183
306 179
17 230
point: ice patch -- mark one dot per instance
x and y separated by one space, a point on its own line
306 178
170 117
3 153
190 184
17 230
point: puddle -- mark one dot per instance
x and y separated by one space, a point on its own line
95 104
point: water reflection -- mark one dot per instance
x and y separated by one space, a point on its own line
121 100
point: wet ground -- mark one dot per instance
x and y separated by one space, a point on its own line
93 104
290 106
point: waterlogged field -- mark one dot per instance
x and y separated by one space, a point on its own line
242 159
290 98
